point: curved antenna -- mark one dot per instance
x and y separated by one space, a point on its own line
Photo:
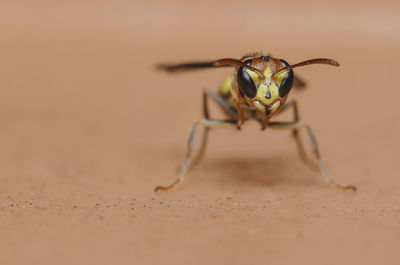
199 65
308 62
232 62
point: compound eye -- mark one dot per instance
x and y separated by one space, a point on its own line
287 81
245 82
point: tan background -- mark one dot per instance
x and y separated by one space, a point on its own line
88 128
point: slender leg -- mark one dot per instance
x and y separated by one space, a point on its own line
292 103
226 106
190 162
235 94
240 120
188 159
230 110
300 146
314 144
204 138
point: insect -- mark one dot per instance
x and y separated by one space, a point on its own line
257 89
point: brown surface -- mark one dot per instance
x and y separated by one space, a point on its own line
88 128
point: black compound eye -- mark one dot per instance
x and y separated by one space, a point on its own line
287 81
245 82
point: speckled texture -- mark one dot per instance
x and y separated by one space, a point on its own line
88 128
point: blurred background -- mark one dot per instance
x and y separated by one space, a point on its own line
89 127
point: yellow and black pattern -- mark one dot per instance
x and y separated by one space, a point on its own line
258 89
267 97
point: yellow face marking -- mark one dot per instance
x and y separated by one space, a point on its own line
261 101
259 106
262 92
275 106
267 91
256 79
280 77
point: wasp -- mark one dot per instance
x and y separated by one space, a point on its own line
257 89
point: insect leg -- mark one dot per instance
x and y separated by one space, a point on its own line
225 106
204 137
231 111
188 159
300 147
314 145
292 103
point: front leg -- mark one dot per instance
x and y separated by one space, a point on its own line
188 158
241 118
265 123
298 125
238 105
225 106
